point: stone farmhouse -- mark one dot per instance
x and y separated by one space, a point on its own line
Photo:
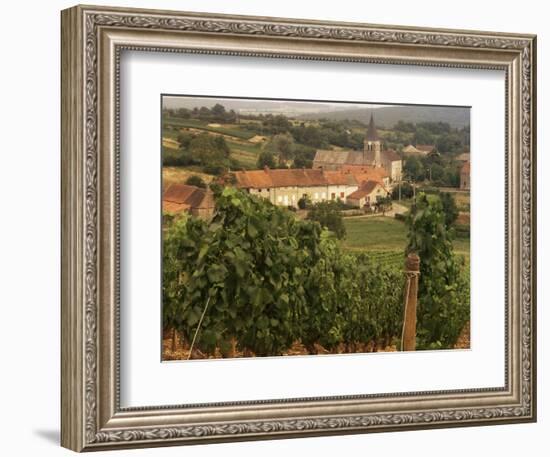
427 148
420 150
462 158
465 176
372 155
180 198
413 151
285 187
367 194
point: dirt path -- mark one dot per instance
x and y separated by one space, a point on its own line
397 208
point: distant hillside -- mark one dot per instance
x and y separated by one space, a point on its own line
259 106
389 116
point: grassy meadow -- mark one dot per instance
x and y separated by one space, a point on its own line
384 236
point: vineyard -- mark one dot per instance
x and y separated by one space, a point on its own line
257 281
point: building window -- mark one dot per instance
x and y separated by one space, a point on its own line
333 196
342 194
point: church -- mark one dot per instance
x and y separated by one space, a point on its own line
372 155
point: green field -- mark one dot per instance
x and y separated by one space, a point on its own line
226 129
380 234
244 153
374 234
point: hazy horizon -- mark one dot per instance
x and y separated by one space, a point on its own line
457 115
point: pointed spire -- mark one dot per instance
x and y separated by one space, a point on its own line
372 134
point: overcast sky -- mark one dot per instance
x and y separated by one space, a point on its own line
261 104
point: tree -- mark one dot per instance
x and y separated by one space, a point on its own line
423 136
407 191
403 126
196 180
209 151
275 124
436 172
329 216
413 168
184 139
449 208
282 145
304 202
183 113
443 295
310 136
303 156
218 112
266 159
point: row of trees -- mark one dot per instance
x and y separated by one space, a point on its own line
448 140
282 151
294 144
257 275
217 113
209 151
442 171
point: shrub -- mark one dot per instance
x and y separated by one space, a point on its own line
265 278
443 296
195 180
304 202
329 216
449 208
407 191
400 217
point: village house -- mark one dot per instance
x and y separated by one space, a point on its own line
372 155
180 198
463 158
413 151
367 195
465 176
427 149
285 187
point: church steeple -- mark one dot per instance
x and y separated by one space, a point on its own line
372 133
371 145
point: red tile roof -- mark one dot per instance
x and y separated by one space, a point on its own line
391 155
364 190
256 179
425 147
286 177
365 174
178 193
339 178
351 175
181 197
297 177
171 207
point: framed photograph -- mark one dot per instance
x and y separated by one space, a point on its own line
281 228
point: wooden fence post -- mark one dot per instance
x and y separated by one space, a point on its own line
412 271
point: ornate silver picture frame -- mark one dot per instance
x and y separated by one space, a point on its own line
93 39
